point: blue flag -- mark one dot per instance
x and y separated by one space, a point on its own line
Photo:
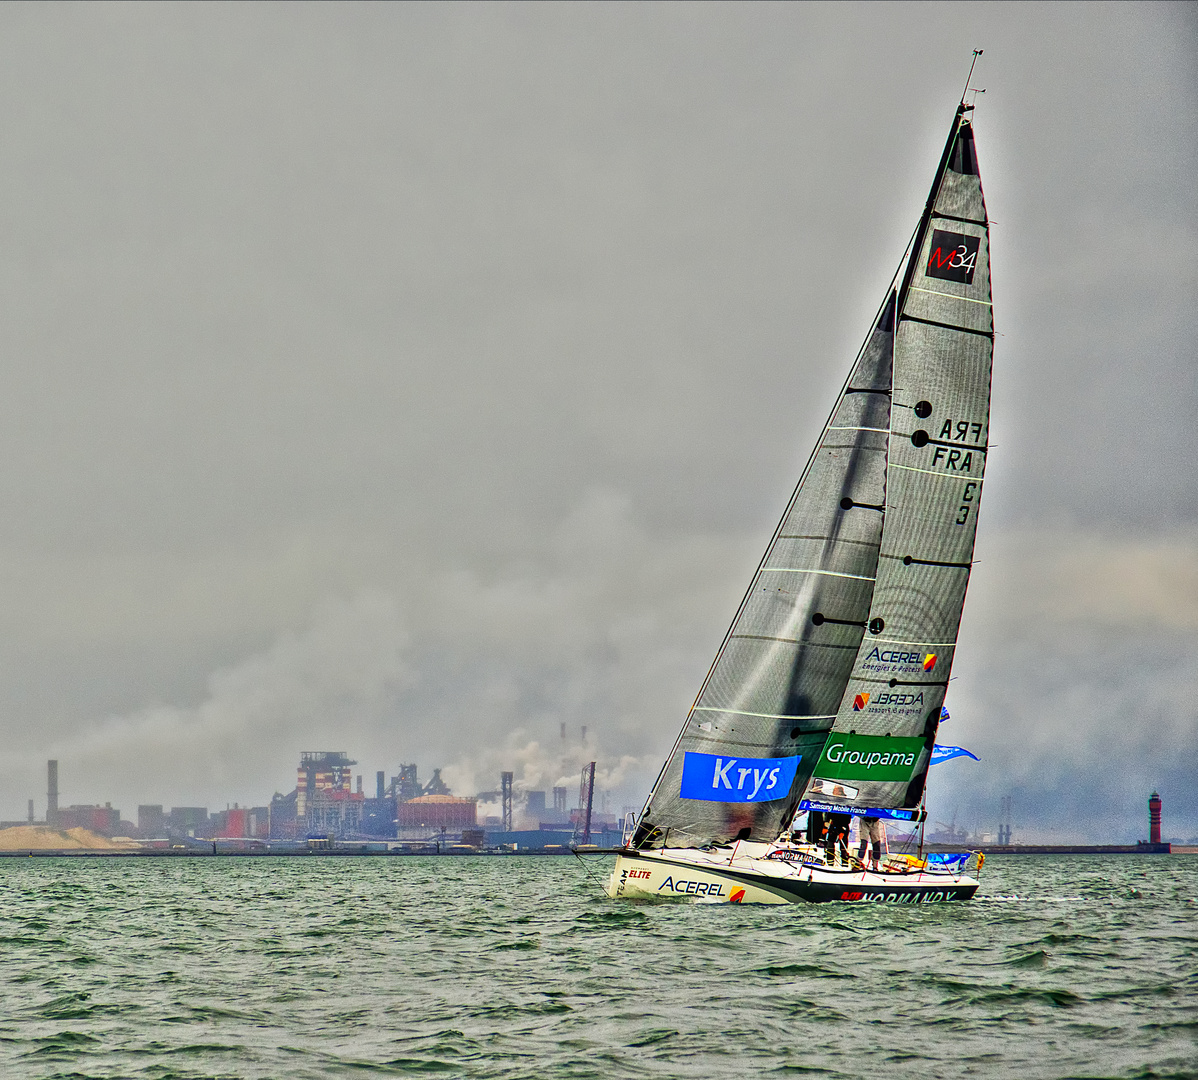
947 753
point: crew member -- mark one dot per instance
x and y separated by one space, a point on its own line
872 829
838 836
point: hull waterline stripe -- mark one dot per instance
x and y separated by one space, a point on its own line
763 715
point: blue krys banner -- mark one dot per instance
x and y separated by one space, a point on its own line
717 778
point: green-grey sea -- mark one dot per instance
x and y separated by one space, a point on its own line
1063 966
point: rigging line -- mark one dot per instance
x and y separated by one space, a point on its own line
825 573
884 431
967 299
762 715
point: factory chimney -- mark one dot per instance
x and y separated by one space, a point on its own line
380 784
51 793
1154 818
30 811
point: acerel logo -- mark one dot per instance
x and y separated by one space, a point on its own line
903 659
860 701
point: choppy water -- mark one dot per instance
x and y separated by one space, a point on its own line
517 967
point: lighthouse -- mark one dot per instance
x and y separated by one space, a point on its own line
1154 818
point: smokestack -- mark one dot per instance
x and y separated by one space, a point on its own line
51 793
30 811
359 785
1154 818
380 785
584 733
563 732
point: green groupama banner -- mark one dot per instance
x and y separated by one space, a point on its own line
868 757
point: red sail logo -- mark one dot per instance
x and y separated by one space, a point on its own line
952 256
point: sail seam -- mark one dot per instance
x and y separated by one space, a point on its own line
946 326
884 431
911 641
762 715
825 573
793 641
833 539
930 472
952 296
963 220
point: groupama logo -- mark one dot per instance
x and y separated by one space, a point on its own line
869 757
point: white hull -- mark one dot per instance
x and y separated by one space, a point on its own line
753 873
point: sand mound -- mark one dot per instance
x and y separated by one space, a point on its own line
39 838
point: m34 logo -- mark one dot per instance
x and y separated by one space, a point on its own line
952 256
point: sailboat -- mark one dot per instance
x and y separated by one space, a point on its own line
826 694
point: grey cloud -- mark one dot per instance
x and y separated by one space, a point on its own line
516 323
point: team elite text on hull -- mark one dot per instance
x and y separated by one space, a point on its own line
824 700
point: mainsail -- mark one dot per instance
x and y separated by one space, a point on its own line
898 479
886 724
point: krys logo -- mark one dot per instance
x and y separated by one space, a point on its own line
868 757
717 778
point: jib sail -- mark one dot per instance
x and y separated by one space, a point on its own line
760 721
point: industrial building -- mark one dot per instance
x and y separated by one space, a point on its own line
329 803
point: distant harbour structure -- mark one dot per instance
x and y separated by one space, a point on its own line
1154 818
52 793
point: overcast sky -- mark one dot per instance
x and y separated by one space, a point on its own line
412 379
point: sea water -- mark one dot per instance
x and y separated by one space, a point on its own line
1081 966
